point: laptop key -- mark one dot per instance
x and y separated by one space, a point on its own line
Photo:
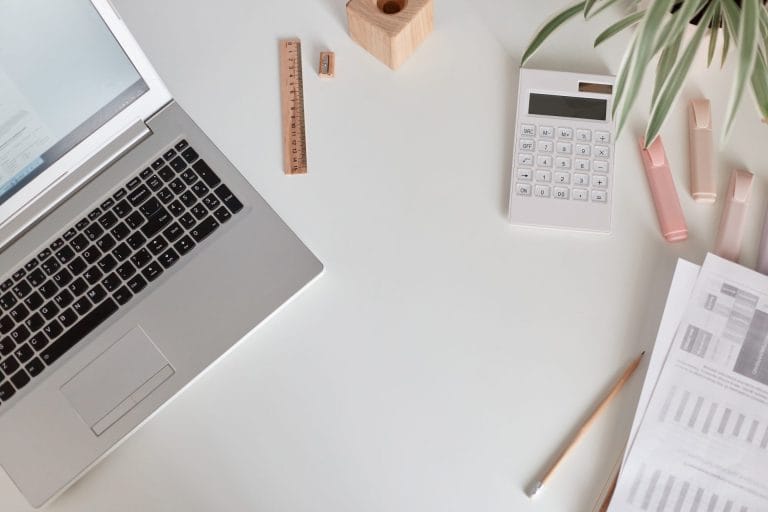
6 391
165 195
77 266
206 174
173 232
157 244
67 317
189 176
94 231
136 284
22 289
133 183
106 205
107 263
80 242
121 252
91 216
222 214
9 365
79 226
184 245
79 331
57 244
51 265
166 173
126 270
135 220
97 294
21 333
34 301
63 299
168 258
38 341
6 324
158 164
211 202
7 301
82 306
91 255
93 275
70 234
169 154
36 277
176 208
155 183
204 229
34 367
6 345
24 353
65 255
20 379
7 285
139 195
187 220
63 278
141 258
108 220
146 173
178 164
136 240
34 322
78 287
31 264
106 243
48 289
121 231
229 199
190 155
200 189
123 295
111 282
53 329
183 144
122 208
19 274
150 207
177 186
19 313
199 211
50 310
121 193
152 271
156 223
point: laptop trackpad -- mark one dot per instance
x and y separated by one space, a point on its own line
117 380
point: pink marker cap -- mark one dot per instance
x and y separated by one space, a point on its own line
665 199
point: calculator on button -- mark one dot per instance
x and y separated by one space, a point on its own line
562 173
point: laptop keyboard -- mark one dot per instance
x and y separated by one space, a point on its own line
97 265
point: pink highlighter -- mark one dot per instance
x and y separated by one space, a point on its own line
665 199
731 231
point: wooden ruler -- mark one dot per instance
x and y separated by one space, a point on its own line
292 94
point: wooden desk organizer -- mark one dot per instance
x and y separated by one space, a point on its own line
390 30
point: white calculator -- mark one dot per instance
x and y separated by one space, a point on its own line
563 173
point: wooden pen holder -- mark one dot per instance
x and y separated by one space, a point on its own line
390 30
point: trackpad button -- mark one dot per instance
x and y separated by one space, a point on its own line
117 380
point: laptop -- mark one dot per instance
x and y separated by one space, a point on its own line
134 254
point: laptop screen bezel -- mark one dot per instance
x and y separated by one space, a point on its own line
142 109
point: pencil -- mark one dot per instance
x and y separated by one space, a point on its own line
542 480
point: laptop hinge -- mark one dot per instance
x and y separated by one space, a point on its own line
59 191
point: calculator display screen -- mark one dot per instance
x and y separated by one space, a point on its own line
567 106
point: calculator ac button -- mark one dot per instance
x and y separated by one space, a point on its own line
583 149
599 196
598 180
563 178
581 179
561 193
546 131
525 159
523 189
603 137
542 191
602 151
543 176
528 130
524 174
526 145
581 164
544 146
584 135
580 194
564 148
565 133
600 166
544 161
562 163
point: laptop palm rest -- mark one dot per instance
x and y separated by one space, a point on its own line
117 380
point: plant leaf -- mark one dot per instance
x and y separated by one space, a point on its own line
666 61
621 79
760 86
714 29
549 27
726 42
748 44
644 49
679 21
676 78
588 5
617 27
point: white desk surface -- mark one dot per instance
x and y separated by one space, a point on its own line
444 355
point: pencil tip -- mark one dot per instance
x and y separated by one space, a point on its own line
533 489
642 353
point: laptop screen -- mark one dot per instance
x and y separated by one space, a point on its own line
62 76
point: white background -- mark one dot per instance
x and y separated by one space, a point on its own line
444 355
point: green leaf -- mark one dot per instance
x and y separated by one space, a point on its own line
748 44
621 79
666 61
606 5
617 27
676 78
680 20
726 42
644 50
549 27
760 86
588 5
713 31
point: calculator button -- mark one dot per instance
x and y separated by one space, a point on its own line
561 193
581 164
525 159
603 137
544 161
542 191
524 174
526 145
562 163
562 177
599 196
523 189
601 151
544 146
581 179
565 133
599 180
546 131
564 148
583 149
584 135
600 166
545 176
580 194
528 130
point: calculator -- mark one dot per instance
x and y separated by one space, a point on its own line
563 172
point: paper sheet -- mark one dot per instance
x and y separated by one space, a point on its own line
700 439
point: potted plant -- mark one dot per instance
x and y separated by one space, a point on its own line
660 30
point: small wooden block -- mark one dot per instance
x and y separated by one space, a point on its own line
390 30
327 68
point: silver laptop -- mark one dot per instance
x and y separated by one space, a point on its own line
133 253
